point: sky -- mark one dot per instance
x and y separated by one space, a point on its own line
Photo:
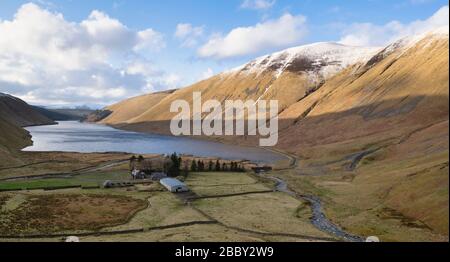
67 53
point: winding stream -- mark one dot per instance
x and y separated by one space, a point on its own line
319 219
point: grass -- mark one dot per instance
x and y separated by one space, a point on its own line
39 184
49 213
163 209
269 213
12 202
196 233
38 163
220 183
85 180
414 187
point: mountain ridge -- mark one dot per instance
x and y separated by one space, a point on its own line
316 57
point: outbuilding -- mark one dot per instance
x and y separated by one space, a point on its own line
157 176
174 185
262 169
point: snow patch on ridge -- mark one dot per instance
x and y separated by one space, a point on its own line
404 44
320 60
430 36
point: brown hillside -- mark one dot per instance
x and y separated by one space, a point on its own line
20 113
125 110
12 139
14 114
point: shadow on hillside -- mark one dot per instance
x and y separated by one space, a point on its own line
406 112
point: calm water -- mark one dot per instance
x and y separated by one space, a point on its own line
70 136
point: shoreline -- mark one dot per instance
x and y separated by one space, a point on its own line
274 150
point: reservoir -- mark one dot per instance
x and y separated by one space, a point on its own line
73 136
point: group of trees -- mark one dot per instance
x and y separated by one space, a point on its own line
137 163
174 166
171 165
200 166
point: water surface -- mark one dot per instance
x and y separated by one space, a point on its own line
72 136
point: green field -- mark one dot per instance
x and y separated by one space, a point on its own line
85 180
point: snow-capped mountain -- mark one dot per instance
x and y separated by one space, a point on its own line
323 60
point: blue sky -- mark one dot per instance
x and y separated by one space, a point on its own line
208 40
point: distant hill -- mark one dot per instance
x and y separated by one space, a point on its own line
64 114
127 110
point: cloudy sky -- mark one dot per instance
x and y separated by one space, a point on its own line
72 53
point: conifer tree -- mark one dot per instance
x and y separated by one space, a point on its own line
210 166
194 166
218 169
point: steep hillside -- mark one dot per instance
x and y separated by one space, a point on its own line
12 137
15 114
20 113
126 110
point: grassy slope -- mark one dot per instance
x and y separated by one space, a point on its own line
15 113
133 107
20 113
12 138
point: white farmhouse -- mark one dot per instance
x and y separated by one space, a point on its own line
174 185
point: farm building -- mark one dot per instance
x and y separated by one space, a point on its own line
261 169
156 176
112 184
174 185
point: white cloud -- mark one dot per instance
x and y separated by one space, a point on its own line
172 81
241 41
258 4
149 39
188 34
141 67
368 34
46 59
207 74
